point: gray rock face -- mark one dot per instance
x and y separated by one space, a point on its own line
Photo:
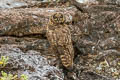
12 3
95 32
99 32
100 39
30 63
7 4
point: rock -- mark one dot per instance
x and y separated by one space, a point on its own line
100 31
25 44
21 22
30 63
8 4
95 30
11 4
87 1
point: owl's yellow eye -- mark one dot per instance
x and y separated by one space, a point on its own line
55 19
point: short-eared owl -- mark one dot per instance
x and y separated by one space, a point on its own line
59 37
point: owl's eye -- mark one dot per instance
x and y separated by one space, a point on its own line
61 16
55 19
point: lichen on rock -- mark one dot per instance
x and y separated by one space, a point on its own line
30 63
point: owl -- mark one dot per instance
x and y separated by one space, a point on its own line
59 37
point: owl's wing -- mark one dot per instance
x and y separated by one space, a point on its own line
65 48
60 38
64 36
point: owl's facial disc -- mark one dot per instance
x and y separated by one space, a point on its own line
58 18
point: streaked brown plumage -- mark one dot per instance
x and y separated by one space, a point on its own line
59 37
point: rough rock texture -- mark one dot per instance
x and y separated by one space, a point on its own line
100 32
95 29
8 4
30 63
29 21
100 40
27 43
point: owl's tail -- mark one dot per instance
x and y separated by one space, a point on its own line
67 62
66 57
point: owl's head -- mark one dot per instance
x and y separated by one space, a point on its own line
57 18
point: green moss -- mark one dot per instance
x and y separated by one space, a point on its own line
6 76
3 61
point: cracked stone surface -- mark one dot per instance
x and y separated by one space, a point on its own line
30 63
95 36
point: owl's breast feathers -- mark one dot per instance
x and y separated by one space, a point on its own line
60 36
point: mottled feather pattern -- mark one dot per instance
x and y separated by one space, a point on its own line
59 37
